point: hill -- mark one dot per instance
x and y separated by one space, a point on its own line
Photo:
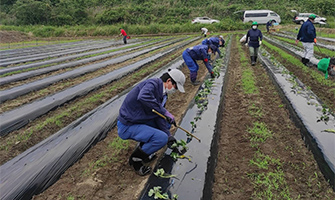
103 12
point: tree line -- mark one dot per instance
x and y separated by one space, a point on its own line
144 12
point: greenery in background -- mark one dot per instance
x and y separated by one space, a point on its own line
109 12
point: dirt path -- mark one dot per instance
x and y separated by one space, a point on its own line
234 174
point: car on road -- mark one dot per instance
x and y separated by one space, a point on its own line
302 17
204 20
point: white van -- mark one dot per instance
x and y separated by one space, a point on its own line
260 16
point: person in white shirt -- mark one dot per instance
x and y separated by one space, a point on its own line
204 31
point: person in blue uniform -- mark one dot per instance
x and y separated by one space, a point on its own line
217 41
136 120
255 37
199 52
307 36
268 25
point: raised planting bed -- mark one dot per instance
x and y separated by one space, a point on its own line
37 168
193 172
317 124
35 65
41 56
15 92
15 119
327 46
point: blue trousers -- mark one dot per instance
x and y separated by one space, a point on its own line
192 65
125 39
153 138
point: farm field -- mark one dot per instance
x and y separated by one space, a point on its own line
260 149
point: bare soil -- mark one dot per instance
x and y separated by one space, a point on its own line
114 179
235 151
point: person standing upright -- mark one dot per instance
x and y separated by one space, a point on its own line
254 36
307 36
123 32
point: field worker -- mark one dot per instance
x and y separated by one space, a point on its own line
204 31
268 25
123 32
254 36
136 120
199 52
307 36
217 41
327 66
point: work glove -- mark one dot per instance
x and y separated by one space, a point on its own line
171 141
296 42
212 75
260 42
315 40
170 118
246 44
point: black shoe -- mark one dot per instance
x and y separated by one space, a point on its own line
306 61
136 160
195 83
252 58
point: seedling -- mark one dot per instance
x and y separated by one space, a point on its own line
329 130
325 114
180 143
156 193
161 173
175 156
193 125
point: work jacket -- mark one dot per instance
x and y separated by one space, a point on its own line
138 104
254 36
214 41
200 52
307 32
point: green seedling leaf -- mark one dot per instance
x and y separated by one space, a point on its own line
329 130
161 173
156 193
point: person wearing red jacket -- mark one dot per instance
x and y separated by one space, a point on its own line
123 32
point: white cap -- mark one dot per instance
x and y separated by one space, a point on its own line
221 36
179 78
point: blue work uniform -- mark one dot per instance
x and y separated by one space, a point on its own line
136 120
307 32
255 36
190 55
214 41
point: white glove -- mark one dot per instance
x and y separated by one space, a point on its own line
260 42
246 44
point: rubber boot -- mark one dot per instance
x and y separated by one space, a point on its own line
255 59
303 60
306 61
252 60
136 160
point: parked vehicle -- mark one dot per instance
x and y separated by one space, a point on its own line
302 17
260 16
204 20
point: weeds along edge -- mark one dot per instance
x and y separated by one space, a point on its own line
310 129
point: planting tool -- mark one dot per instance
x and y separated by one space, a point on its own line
318 47
153 110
